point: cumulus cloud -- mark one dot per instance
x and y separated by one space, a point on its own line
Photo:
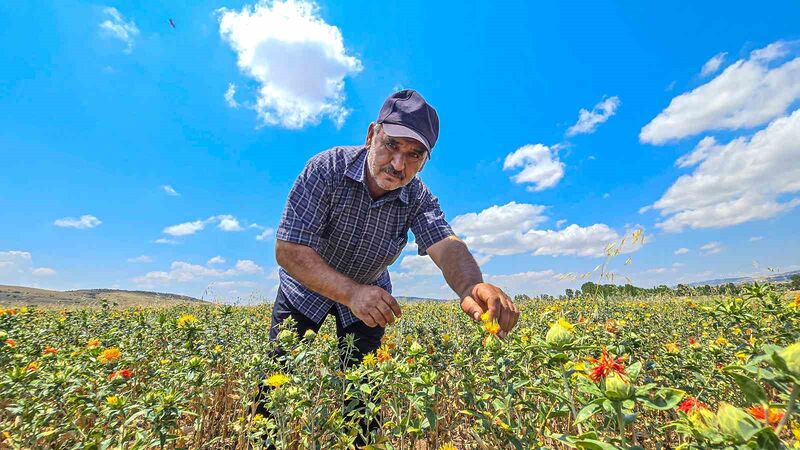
743 180
216 260
115 26
185 229
225 222
589 120
510 229
18 266
713 64
711 248
140 259
682 251
299 61
184 272
265 234
540 166
166 241
748 93
81 223
170 190
698 154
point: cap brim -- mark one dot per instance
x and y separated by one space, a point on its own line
395 130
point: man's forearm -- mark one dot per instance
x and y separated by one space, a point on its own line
457 264
305 265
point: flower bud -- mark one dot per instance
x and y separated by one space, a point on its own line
791 355
735 423
703 420
560 334
618 388
309 335
287 337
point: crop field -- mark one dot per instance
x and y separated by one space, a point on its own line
657 372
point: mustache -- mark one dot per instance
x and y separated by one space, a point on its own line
390 170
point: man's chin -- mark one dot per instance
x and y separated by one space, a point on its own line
390 183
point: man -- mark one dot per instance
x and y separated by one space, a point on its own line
347 219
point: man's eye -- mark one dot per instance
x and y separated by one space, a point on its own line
415 156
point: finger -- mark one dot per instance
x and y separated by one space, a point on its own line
505 314
515 310
385 312
471 308
392 303
494 306
377 316
368 320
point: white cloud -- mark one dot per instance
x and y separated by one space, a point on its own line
748 93
166 241
713 64
737 182
216 260
246 266
509 229
185 229
589 120
606 195
170 190
115 26
227 223
540 166
419 265
530 283
756 238
266 234
230 96
84 222
184 272
299 61
682 251
560 222
140 259
700 152
711 248
43 272
657 270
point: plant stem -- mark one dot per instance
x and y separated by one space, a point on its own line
789 408
571 400
620 422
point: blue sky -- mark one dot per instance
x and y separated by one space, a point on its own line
141 156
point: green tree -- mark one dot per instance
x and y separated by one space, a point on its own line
794 281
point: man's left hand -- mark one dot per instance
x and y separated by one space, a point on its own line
486 297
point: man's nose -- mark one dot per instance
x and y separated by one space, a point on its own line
398 161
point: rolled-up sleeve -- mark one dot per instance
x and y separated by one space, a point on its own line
303 219
429 225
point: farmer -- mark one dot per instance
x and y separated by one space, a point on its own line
347 219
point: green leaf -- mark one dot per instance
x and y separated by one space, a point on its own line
633 370
664 399
753 392
592 444
588 411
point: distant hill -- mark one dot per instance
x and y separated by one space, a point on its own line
402 298
26 296
776 278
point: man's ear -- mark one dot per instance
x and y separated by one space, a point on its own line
370 133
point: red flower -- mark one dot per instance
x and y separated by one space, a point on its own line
124 373
691 404
692 341
605 365
775 415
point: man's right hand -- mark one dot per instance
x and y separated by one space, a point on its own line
373 306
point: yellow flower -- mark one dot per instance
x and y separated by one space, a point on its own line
93 343
672 347
218 349
108 355
448 446
485 317
383 354
33 366
369 360
721 341
491 327
277 380
113 400
186 320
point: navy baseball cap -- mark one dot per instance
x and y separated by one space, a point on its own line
407 114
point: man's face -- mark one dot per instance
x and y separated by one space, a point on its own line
393 161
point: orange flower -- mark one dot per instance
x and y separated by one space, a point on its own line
124 373
10 342
491 327
612 326
93 343
383 354
775 414
33 367
108 355
50 351
605 365
691 404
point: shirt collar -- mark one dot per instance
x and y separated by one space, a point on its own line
356 171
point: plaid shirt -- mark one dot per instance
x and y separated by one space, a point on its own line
330 210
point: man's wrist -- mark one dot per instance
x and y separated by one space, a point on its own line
348 293
468 290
